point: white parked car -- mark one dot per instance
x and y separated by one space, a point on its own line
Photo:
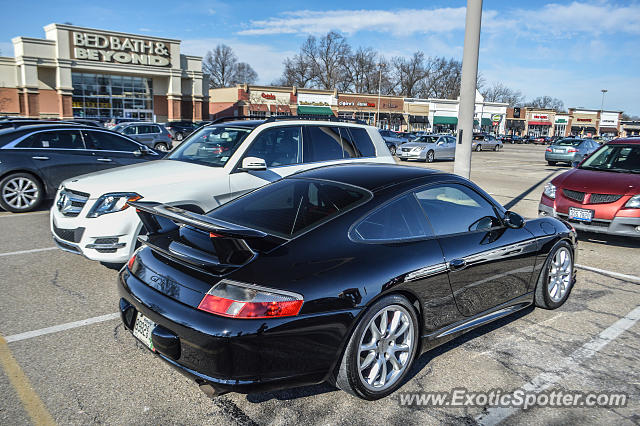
216 164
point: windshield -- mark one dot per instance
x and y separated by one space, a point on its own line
211 145
568 142
615 158
426 139
118 128
290 207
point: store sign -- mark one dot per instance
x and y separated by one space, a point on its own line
120 50
316 99
609 119
496 118
270 96
540 116
358 104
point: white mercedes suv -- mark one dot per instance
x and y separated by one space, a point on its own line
212 166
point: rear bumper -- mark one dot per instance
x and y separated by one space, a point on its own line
624 226
232 355
567 158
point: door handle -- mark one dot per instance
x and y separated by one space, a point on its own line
40 158
457 264
105 160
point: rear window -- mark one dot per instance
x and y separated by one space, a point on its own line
569 142
290 207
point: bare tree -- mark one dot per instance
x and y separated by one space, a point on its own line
546 102
442 79
243 73
328 56
408 73
498 92
363 70
219 65
298 71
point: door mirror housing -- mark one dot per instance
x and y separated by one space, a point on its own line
513 220
253 163
143 150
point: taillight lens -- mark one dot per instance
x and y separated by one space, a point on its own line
133 259
572 150
240 300
549 149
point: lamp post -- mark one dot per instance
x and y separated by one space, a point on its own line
380 66
601 107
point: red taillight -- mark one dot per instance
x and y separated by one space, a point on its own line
237 300
133 259
572 150
549 150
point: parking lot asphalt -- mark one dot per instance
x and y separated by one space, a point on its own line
98 373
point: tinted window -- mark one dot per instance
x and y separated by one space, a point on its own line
324 144
61 139
131 130
211 145
452 209
291 206
348 146
278 146
362 141
398 220
615 158
569 142
148 129
108 141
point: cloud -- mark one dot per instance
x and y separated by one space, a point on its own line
401 22
211 12
263 58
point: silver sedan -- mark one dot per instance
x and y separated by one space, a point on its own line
483 142
428 148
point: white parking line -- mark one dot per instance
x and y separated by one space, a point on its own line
6 214
562 367
625 277
60 327
13 253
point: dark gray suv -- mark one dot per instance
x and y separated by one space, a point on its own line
153 135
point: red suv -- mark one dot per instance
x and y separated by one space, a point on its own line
602 194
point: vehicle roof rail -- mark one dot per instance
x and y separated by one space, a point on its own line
234 117
314 118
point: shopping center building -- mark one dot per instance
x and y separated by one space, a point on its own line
98 74
389 112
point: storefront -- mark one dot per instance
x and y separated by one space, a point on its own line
416 112
515 121
560 125
386 114
609 123
629 128
97 74
320 104
540 122
583 123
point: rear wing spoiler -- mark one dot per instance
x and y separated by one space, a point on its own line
199 221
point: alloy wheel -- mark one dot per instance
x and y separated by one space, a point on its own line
559 276
161 147
430 157
385 348
20 192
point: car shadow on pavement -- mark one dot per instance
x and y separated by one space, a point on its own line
609 240
524 194
419 364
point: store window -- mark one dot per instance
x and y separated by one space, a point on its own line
103 96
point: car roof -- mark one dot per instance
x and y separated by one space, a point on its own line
631 140
240 123
371 176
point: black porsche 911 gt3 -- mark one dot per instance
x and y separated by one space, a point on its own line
342 274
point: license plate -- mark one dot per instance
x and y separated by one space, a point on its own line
142 330
580 214
557 151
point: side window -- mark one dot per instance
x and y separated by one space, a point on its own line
362 141
323 144
453 209
61 139
105 141
153 129
451 140
399 220
131 130
278 146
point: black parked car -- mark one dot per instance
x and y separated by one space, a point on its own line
181 129
35 159
291 284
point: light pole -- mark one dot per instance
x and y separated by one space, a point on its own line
379 86
602 103
462 165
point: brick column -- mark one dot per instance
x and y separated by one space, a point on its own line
196 104
29 103
65 107
174 108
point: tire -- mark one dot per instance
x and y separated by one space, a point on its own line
392 150
162 147
20 192
552 163
403 159
430 157
478 148
349 377
544 294
496 147
179 136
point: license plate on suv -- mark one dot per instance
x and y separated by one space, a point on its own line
583 215
142 330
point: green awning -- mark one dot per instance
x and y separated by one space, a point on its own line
314 110
438 119
487 121
561 120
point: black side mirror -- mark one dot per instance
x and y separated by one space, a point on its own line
513 220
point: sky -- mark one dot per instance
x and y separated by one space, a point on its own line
565 49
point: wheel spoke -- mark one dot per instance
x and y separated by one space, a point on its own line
383 374
383 323
375 370
394 361
368 360
395 320
369 346
374 331
401 330
401 348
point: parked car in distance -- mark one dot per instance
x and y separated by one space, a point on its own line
180 129
152 135
484 142
569 150
392 139
428 148
115 121
216 164
281 301
602 194
35 159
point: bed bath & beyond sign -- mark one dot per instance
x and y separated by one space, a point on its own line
122 50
